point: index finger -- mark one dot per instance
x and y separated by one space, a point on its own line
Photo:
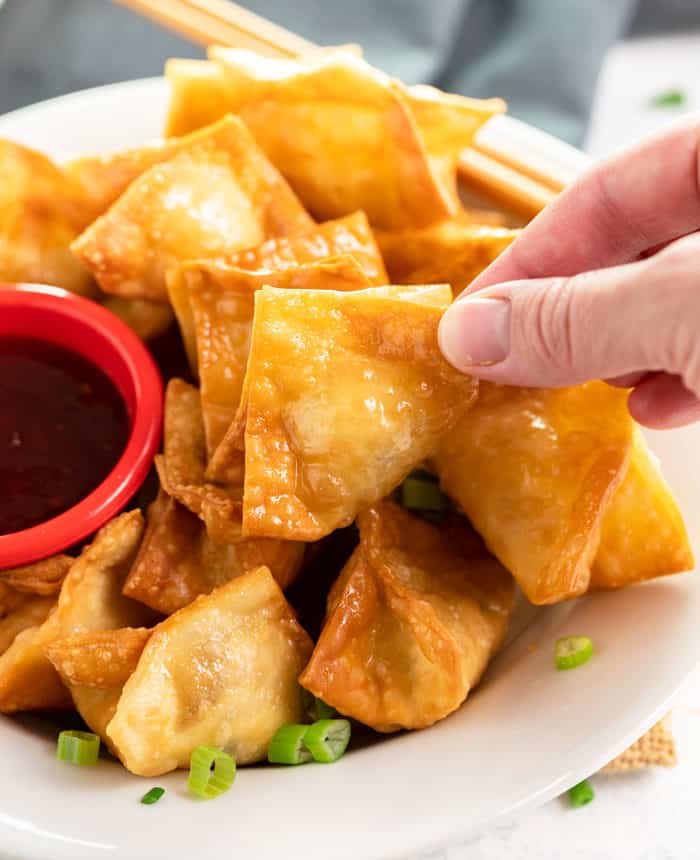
640 198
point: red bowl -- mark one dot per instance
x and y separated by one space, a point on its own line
58 317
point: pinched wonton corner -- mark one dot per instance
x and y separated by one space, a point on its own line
221 301
42 577
454 251
42 210
412 621
395 144
221 672
182 465
643 534
212 198
344 394
90 599
534 470
199 95
178 561
350 235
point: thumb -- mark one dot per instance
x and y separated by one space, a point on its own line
639 317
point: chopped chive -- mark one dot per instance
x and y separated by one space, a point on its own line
212 772
581 794
327 740
421 495
78 747
572 651
321 711
288 746
669 98
153 796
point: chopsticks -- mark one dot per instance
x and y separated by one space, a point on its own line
519 167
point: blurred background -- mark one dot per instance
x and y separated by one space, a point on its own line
543 56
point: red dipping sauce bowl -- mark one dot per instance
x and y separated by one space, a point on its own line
81 326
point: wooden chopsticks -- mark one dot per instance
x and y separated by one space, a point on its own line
517 166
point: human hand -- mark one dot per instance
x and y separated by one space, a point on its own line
599 286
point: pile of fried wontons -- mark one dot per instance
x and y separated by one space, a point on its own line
301 223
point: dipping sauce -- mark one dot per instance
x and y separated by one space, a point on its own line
63 427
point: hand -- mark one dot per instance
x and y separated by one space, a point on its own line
599 286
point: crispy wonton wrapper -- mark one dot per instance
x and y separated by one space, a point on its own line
90 599
412 621
643 534
344 394
182 465
41 577
147 319
20 612
221 299
188 690
178 561
350 235
534 470
41 211
453 251
346 136
214 197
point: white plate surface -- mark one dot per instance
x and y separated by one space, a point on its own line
527 734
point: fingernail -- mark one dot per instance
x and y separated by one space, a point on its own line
475 332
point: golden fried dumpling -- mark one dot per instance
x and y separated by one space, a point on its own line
178 561
199 95
412 621
20 610
221 672
182 465
221 300
534 470
146 319
43 577
454 251
214 197
90 599
344 394
41 211
643 534
341 132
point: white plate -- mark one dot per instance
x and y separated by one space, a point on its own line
527 734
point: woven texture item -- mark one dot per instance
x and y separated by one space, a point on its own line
656 747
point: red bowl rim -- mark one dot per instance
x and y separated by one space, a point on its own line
120 485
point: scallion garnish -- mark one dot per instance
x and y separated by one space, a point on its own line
287 746
78 747
212 772
327 740
153 796
581 794
572 651
669 98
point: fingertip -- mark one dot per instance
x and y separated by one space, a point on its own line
475 333
661 402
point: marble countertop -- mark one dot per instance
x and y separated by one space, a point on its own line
652 814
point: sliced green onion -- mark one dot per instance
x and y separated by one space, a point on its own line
572 651
581 794
153 796
212 772
288 745
670 98
421 495
327 740
78 747
319 710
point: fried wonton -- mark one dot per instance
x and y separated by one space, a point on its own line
221 300
221 672
90 599
42 210
19 613
178 561
181 467
345 136
643 534
214 197
534 470
344 394
42 577
350 235
454 251
147 319
199 95
412 621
